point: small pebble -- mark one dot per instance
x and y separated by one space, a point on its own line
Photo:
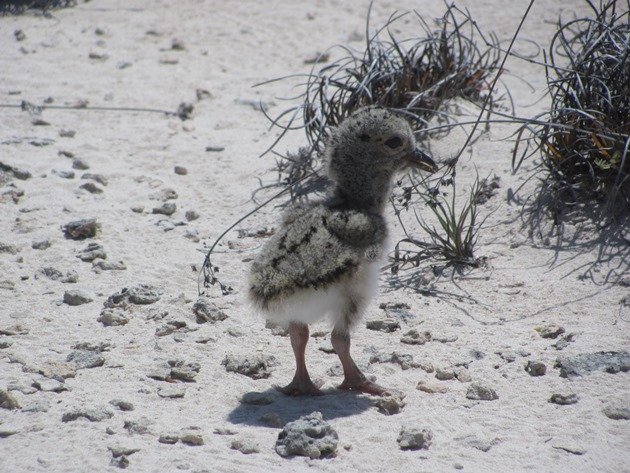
81 229
167 208
245 446
102 180
41 244
563 399
122 405
169 327
180 170
85 359
7 284
255 366
207 311
50 385
169 439
617 412
389 405
63 133
177 45
191 437
477 354
563 342
120 462
535 368
224 431
383 325
120 450
462 374
256 399
138 426
191 215
143 294
413 337
183 371
192 234
202 94
431 388
8 401
309 436
91 188
550 331
59 370
444 374
64 174
112 318
184 110
91 252
403 359
93 415
480 392
104 265
98 56
445 338
6 431
412 438
80 164
173 391
9 248
76 297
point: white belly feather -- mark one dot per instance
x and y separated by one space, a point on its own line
310 305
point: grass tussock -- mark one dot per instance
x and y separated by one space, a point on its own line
417 77
452 226
584 139
16 7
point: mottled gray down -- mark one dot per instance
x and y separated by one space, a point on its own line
327 241
316 246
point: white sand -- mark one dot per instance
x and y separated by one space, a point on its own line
229 47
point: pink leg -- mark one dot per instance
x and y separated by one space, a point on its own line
354 380
301 383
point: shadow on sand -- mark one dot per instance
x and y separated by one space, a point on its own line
332 405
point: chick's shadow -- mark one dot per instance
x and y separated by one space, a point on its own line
333 404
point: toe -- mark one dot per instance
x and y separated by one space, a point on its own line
369 387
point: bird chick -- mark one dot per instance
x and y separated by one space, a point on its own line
324 259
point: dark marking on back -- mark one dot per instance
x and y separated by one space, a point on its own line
305 239
281 243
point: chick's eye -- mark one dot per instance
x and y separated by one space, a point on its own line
394 142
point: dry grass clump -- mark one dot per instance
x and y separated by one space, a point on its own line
416 77
15 7
452 229
584 138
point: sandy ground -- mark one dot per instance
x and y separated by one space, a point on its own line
120 54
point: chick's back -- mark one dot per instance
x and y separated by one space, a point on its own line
316 246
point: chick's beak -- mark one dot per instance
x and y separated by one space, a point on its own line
420 160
